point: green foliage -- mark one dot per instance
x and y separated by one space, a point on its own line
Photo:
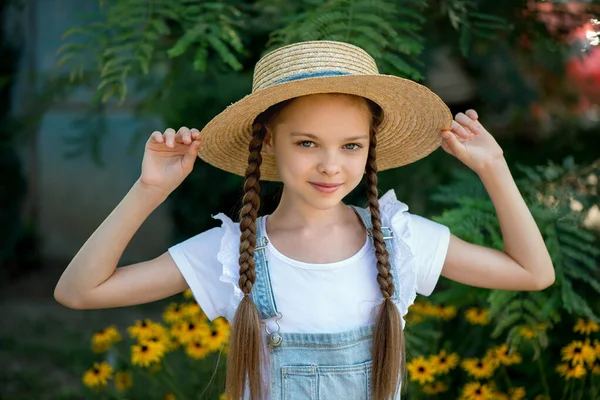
548 191
465 18
130 36
124 40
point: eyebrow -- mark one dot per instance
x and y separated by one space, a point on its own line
310 135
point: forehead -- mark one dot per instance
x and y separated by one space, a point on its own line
325 115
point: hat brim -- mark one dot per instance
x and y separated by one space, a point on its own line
414 116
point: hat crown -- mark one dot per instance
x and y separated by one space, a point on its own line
311 59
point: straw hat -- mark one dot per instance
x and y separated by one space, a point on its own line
413 115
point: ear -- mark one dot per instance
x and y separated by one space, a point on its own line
268 142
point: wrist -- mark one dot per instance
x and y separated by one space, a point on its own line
151 192
492 167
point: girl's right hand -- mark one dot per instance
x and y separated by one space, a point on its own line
169 158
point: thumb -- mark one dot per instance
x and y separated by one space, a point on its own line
192 152
452 145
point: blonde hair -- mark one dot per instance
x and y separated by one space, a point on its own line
245 356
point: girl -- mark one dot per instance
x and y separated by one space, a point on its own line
317 290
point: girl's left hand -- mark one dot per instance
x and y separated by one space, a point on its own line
471 143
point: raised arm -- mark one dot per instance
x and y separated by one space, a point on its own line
525 263
92 279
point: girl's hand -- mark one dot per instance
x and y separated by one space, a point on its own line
471 143
169 158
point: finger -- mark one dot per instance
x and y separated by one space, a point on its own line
472 126
453 142
170 137
460 130
472 114
195 133
446 147
185 135
156 137
192 153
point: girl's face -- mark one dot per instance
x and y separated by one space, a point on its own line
320 143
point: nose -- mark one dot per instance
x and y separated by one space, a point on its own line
329 164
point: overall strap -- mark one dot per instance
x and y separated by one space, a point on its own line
388 238
262 291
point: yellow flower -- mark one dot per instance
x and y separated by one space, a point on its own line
445 312
527 332
435 388
146 353
218 335
420 370
479 368
123 380
579 353
185 331
142 329
188 294
169 396
98 375
420 307
443 362
586 327
476 316
193 310
517 393
159 335
223 396
477 391
197 349
102 340
501 355
412 318
174 313
570 371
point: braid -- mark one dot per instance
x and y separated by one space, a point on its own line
384 277
245 354
249 211
389 364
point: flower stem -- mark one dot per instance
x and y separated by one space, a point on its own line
506 377
581 388
565 391
543 375
169 377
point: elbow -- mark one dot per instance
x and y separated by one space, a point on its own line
68 301
547 281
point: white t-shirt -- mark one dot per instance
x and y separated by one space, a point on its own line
317 298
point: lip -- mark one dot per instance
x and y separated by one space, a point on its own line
326 187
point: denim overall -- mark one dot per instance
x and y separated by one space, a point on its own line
316 366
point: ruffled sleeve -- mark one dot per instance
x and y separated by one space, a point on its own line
421 246
209 264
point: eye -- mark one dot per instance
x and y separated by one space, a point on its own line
306 144
352 146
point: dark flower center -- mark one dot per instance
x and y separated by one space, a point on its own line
96 371
421 369
577 350
144 348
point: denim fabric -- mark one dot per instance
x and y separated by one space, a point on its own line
316 366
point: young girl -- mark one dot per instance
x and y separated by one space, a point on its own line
315 291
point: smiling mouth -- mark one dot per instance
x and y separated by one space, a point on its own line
326 187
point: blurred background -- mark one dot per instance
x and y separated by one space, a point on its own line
83 83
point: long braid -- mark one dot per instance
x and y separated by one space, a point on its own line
245 355
389 363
